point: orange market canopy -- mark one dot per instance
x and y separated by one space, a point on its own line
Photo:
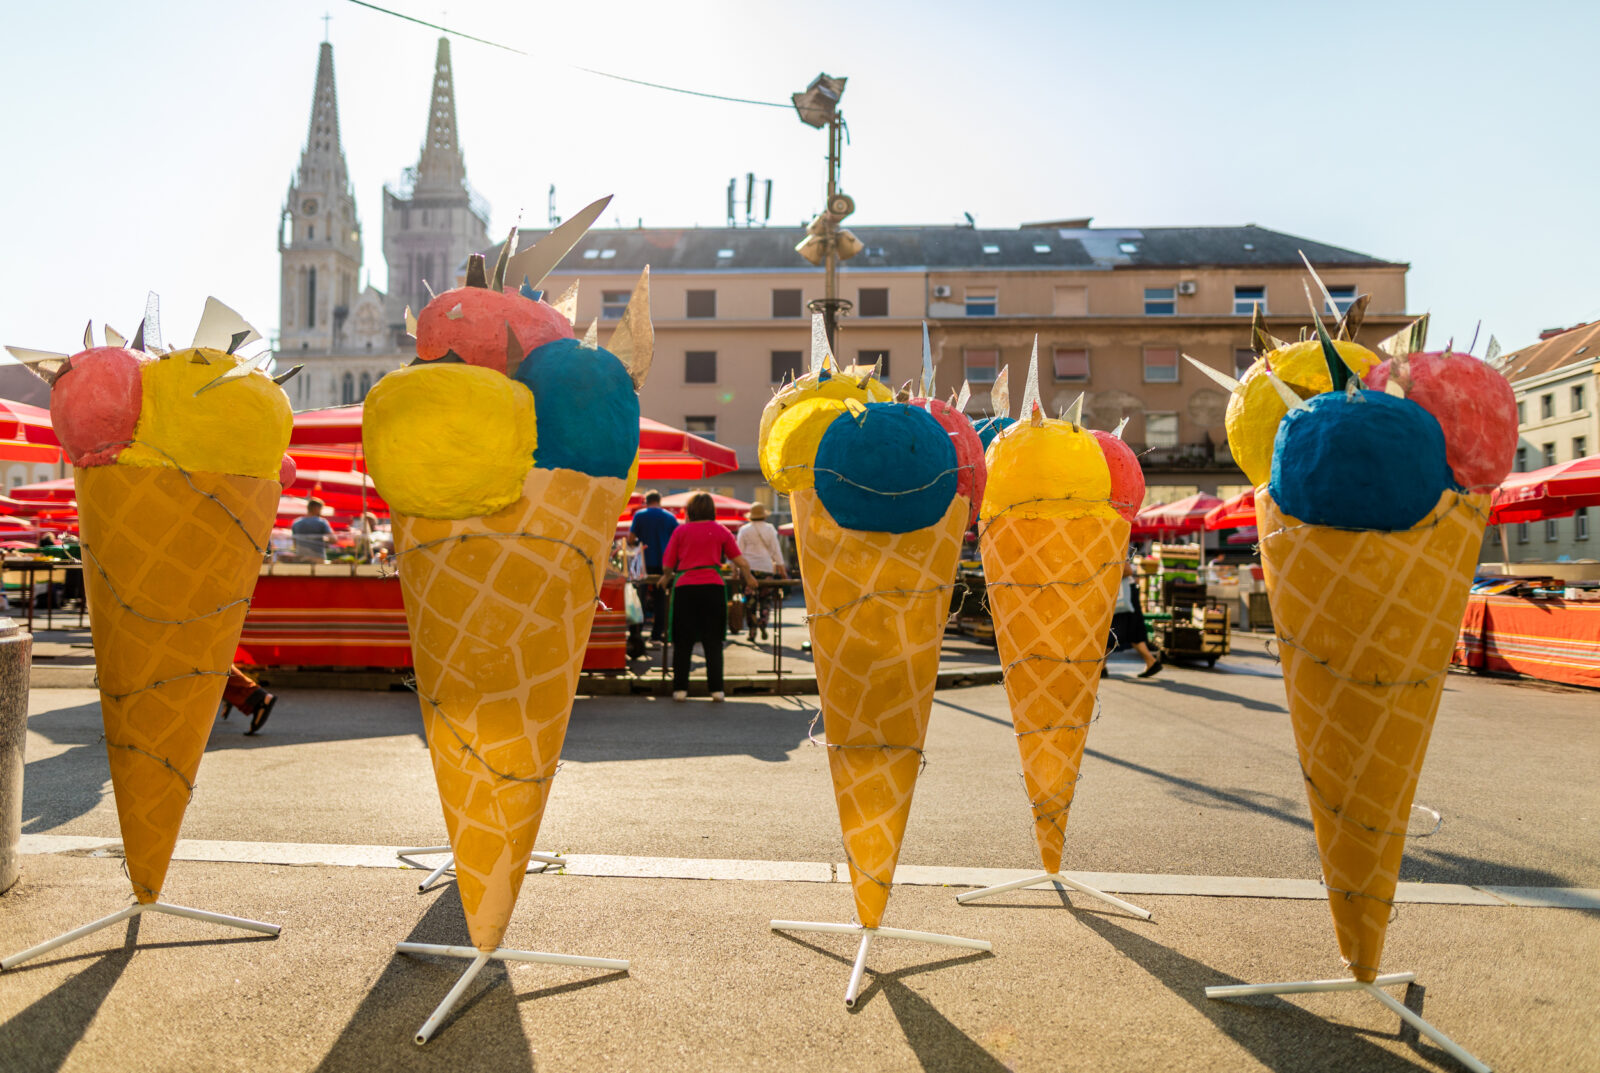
1186 515
1234 513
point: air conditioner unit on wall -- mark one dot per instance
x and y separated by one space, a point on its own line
1186 287
942 291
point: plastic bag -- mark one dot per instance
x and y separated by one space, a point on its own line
631 605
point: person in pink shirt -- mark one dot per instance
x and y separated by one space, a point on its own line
699 600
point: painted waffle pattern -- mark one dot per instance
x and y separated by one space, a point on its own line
1366 623
878 607
500 608
1051 586
168 573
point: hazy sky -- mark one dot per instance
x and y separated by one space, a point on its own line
149 146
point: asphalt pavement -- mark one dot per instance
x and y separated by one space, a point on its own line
1190 778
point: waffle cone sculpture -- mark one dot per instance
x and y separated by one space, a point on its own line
878 604
171 559
1367 622
499 608
1051 584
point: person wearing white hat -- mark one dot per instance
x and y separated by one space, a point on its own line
758 541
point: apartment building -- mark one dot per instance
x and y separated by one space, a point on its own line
1113 309
1555 381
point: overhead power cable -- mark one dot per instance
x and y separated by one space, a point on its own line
573 66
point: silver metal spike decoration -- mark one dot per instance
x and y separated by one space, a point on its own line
591 338
1216 374
411 323
567 304
88 336
927 364
455 312
964 396
114 337
1074 414
218 326
1285 392
1030 390
1491 356
1117 432
45 364
1392 386
634 338
1327 296
537 261
150 329
999 394
819 343
235 371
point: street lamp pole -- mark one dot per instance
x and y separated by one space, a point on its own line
826 243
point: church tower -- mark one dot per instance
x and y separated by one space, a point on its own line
432 219
319 236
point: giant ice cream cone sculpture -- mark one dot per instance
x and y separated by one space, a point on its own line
1054 538
503 527
178 455
1370 527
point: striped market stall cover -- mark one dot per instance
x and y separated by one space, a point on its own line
1554 640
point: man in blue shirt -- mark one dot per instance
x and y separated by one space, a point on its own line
652 527
311 534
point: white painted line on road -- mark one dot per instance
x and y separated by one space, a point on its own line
308 854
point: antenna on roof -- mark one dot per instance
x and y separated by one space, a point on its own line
749 198
766 212
733 186
555 217
971 221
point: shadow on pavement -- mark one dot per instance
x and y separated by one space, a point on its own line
40 1038
60 788
1423 864
1277 1033
660 729
945 703
484 1031
1193 791
938 1044
1190 689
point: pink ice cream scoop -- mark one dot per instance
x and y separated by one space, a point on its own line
973 473
1474 405
1127 476
94 404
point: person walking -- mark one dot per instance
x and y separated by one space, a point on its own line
699 599
651 529
242 692
311 534
758 541
1128 629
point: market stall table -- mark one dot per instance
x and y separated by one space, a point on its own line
1554 639
352 616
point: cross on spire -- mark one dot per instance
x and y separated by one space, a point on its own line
326 18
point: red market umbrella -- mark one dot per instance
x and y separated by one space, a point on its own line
1186 515
320 427
30 424
727 506
62 490
1552 492
1246 535
339 489
1238 511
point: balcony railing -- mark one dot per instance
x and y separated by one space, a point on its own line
1183 455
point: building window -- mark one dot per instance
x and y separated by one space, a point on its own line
1243 358
1161 365
1072 364
702 304
1580 446
1549 454
1522 532
982 301
613 304
1161 430
1577 397
787 303
982 366
1343 298
700 367
786 365
1160 301
874 302
1580 524
1522 412
311 232
1547 406
868 358
701 426
311 298
1552 530
1522 460
347 390
1245 300
365 384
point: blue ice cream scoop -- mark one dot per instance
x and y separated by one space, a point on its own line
889 468
990 427
587 410
1364 460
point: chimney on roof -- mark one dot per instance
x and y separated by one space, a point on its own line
1076 223
1551 333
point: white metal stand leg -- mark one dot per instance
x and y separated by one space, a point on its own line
549 860
1055 877
868 935
1375 989
241 923
481 958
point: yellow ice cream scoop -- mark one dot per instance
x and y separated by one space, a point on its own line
1255 407
790 448
1052 469
449 441
834 385
240 427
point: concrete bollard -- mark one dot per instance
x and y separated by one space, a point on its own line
16 651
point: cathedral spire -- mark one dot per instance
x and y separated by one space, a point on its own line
441 166
322 162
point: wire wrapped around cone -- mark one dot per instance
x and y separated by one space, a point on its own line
500 608
1052 584
170 561
1366 622
878 605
